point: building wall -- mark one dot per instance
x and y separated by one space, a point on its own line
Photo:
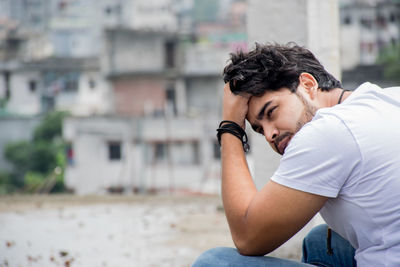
91 170
23 100
139 96
204 95
205 59
155 15
367 28
156 154
128 51
349 47
93 96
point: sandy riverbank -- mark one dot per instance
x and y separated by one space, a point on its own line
112 230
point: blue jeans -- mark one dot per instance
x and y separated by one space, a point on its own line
314 254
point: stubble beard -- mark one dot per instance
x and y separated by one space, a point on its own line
308 113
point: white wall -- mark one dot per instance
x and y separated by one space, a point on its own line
155 15
133 51
350 46
22 99
205 59
87 100
204 95
92 171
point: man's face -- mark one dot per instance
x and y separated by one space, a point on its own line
279 116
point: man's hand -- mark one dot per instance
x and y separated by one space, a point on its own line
234 107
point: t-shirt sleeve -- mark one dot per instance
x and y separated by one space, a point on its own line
320 158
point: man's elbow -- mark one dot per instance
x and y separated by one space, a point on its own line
251 247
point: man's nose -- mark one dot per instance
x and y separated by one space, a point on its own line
270 133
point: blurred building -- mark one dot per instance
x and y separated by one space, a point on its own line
68 84
161 134
142 80
125 154
367 27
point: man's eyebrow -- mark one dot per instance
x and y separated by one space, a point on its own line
261 113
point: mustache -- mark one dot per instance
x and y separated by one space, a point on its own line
280 138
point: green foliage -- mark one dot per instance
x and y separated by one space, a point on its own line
36 156
18 153
33 180
390 59
50 127
6 185
3 103
35 162
61 160
43 157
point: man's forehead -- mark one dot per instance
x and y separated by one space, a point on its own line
256 102
255 106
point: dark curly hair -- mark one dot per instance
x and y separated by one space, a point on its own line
272 66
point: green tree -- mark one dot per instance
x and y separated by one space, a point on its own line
41 161
18 154
6 185
390 59
50 128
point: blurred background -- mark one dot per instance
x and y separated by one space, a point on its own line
112 105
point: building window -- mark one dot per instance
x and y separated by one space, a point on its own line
69 150
392 18
216 150
174 152
366 23
92 83
347 20
114 150
71 82
32 84
57 82
160 152
171 101
170 54
108 10
185 153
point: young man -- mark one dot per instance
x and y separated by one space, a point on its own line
340 157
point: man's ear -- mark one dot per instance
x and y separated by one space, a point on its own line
309 84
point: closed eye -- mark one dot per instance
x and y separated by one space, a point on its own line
270 111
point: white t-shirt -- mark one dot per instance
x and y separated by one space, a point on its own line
351 154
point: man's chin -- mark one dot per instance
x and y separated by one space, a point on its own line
275 148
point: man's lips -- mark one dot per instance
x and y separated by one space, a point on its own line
282 143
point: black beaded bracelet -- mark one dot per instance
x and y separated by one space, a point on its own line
234 129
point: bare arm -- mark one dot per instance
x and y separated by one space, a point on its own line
260 221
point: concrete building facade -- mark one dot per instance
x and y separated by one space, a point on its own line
161 136
74 85
121 154
367 27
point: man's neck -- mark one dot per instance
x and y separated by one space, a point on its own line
331 98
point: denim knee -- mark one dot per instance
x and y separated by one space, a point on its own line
320 250
220 256
317 234
315 241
